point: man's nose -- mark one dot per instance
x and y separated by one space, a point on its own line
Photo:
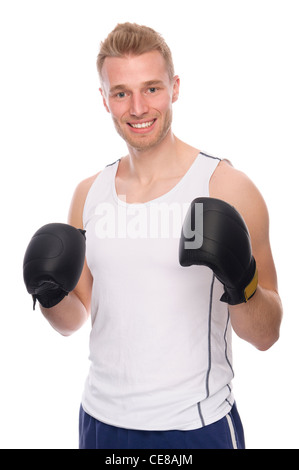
138 105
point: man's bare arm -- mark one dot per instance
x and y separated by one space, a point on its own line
257 321
71 313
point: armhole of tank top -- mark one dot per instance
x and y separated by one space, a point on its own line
87 197
211 175
217 161
98 175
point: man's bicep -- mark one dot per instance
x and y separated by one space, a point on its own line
238 190
255 212
261 248
75 217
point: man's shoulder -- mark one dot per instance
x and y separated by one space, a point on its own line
236 188
229 182
84 186
78 200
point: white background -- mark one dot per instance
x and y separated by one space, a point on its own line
238 64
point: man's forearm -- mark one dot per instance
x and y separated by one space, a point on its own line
67 316
258 321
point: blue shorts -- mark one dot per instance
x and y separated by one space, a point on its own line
227 433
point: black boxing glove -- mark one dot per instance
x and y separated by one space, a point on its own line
53 263
225 247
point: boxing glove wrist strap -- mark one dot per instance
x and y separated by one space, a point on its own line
251 288
48 295
234 296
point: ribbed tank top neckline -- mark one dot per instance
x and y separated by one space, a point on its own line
166 195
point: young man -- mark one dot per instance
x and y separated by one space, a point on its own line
160 344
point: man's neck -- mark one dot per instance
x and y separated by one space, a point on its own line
170 158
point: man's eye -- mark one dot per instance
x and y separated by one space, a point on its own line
152 89
121 94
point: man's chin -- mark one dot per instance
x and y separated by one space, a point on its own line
145 142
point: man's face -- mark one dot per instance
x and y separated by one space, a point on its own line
138 93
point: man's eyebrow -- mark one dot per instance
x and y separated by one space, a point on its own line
117 88
152 83
149 83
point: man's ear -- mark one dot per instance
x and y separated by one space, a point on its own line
104 100
176 88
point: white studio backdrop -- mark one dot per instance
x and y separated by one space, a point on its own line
237 60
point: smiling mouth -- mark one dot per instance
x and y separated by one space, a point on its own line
143 125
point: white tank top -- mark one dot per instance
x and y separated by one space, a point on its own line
160 343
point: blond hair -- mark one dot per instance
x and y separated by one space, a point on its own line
131 38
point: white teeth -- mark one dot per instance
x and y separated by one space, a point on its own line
143 125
